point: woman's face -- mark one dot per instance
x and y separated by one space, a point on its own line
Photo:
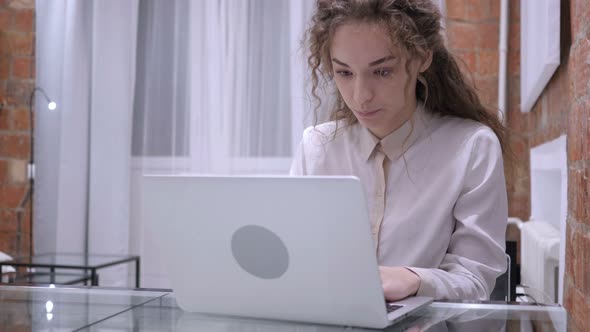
371 76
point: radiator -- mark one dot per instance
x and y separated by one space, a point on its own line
539 260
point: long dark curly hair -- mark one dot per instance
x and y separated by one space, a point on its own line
415 25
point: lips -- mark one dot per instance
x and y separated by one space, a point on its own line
368 114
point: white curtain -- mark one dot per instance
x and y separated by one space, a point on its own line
86 63
155 86
243 90
240 109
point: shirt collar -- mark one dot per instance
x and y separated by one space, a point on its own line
398 142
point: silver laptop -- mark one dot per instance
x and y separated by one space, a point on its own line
287 248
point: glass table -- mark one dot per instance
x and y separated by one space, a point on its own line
27 308
88 264
101 309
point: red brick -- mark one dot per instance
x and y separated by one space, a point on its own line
20 43
569 249
540 119
487 90
514 36
21 4
3 171
467 61
581 196
514 9
455 9
528 117
24 244
4 43
580 16
553 130
568 300
488 35
462 35
561 80
11 196
19 91
513 59
587 204
582 262
487 63
517 121
569 67
578 131
24 20
581 67
522 182
519 207
8 243
494 10
21 119
574 142
22 67
26 218
4 67
578 308
8 221
15 146
573 19
578 199
477 10
4 119
513 88
519 146
5 19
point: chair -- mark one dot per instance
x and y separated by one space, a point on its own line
505 289
501 291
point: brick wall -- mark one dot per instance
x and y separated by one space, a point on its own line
577 279
16 82
563 108
473 35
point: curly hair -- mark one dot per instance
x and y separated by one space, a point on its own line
416 26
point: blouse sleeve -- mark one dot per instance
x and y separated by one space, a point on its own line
476 253
298 164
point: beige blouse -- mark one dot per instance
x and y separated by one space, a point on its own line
436 194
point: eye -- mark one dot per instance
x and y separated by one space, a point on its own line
382 72
343 73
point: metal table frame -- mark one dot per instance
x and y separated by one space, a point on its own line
91 268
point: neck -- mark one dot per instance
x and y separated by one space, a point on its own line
398 121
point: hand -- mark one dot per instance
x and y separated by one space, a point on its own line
398 282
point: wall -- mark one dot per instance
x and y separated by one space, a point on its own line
563 108
575 101
16 82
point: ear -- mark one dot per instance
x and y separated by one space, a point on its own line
426 62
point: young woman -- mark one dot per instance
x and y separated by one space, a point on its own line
428 153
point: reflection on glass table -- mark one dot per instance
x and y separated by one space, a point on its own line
66 309
102 309
163 314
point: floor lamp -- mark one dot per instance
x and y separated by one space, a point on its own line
51 105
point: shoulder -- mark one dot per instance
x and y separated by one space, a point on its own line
328 133
465 132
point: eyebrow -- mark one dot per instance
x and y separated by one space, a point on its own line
374 63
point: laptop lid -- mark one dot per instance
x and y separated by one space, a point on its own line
290 248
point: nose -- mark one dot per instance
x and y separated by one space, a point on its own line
363 92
